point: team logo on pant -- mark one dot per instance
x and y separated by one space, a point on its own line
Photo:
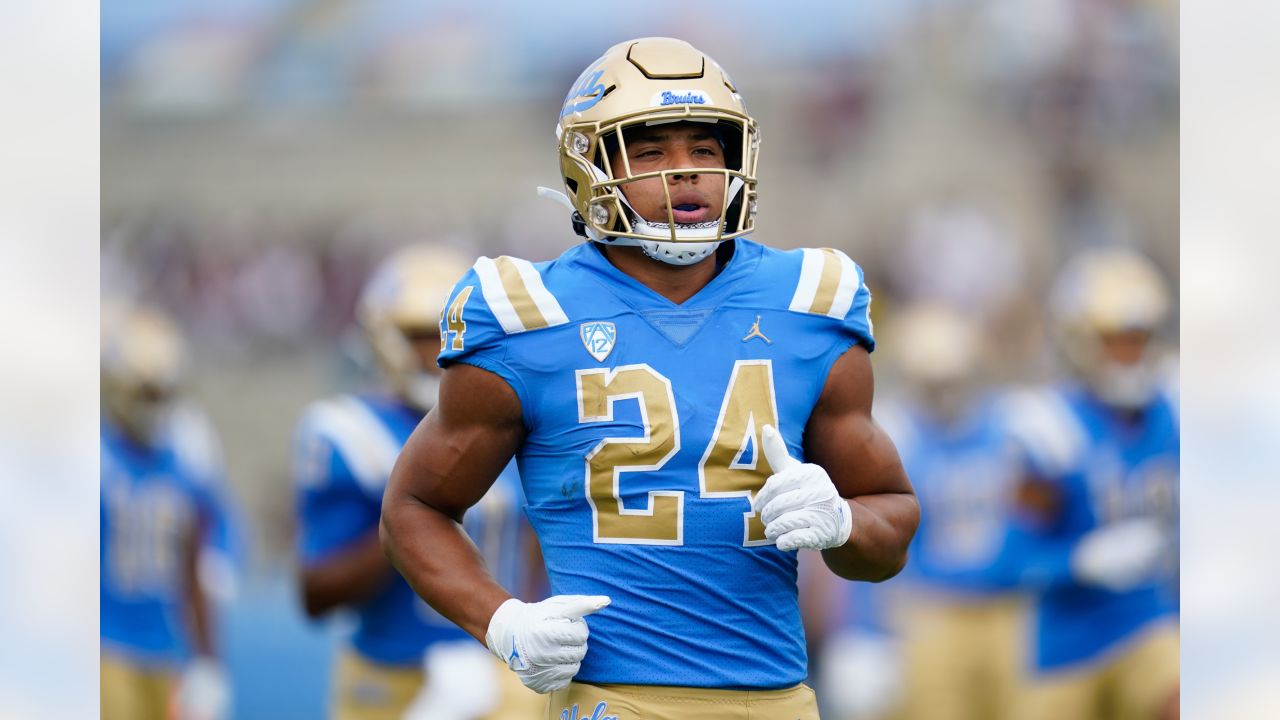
597 714
598 337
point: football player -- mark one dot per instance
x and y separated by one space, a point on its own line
1100 498
161 507
956 611
689 409
345 447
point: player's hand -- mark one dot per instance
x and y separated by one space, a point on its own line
1121 556
203 692
798 504
543 642
462 683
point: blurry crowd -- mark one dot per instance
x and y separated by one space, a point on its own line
984 161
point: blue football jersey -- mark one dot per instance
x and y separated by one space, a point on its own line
152 498
641 454
344 449
1107 469
964 473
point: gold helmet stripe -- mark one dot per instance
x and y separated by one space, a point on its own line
515 293
828 282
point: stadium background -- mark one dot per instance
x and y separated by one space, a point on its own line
259 157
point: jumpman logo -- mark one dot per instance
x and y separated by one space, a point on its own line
755 332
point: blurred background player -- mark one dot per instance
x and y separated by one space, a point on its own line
1102 452
162 508
345 448
952 622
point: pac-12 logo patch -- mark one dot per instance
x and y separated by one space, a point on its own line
598 337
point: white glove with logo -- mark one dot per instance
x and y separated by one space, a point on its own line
798 504
203 692
543 642
1121 556
461 683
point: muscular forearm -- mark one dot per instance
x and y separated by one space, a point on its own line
197 602
348 577
435 555
883 526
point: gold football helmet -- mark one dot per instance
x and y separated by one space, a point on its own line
142 365
400 307
939 352
1103 300
647 82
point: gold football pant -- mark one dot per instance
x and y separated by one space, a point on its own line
963 660
1137 681
129 692
365 690
582 701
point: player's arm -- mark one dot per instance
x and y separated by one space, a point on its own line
852 500
350 576
198 611
448 464
862 461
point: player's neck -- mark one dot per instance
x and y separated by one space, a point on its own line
676 283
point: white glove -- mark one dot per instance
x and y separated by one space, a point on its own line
543 642
461 683
203 692
798 504
1121 556
861 675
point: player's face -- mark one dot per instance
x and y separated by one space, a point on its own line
426 347
1125 347
695 197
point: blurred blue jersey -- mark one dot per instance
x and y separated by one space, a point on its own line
643 422
152 498
344 450
1107 468
964 474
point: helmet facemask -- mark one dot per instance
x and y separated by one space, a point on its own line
613 218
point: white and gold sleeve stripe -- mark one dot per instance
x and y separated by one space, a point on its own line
515 293
828 282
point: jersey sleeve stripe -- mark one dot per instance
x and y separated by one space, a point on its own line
517 296
850 280
828 285
495 296
810 272
545 301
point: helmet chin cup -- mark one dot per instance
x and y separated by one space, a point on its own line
1125 387
678 253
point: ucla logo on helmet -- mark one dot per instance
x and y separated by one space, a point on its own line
680 97
598 338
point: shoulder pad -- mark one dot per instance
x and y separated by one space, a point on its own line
195 444
1046 429
345 427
